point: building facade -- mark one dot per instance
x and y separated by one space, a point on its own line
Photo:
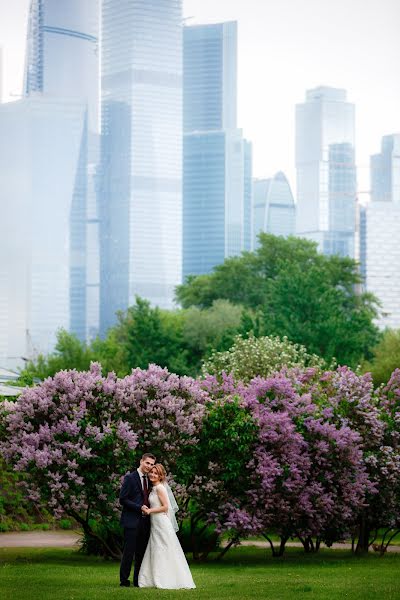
380 232
326 172
141 154
217 161
273 207
48 187
62 62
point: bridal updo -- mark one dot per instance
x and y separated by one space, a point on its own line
161 472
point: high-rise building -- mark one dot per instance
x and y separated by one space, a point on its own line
40 145
217 182
62 62
141 154
385 171
273 207
380 232
48 142
326 172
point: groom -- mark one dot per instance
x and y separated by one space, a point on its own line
135 494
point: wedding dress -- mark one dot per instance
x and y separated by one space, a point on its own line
164 564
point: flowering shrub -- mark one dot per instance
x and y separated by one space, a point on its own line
300 452
252 357
78 433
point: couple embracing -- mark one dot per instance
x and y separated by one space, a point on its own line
148 519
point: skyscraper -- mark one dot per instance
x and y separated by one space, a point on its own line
273 206
380 232
326 173
385 171
48 142
217 183
141 154
62 62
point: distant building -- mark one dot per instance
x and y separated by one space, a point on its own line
217 161
380 232
40 146
273 207
48 140
326 172
141 154
385 171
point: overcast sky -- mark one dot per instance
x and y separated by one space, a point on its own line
285 47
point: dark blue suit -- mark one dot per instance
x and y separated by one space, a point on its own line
136 526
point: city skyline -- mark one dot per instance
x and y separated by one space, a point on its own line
330 44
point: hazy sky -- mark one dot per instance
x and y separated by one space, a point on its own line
285 47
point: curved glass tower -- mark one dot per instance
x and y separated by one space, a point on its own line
274 208
141 153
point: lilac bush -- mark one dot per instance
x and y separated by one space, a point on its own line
78 433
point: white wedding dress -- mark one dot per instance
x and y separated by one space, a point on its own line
164 564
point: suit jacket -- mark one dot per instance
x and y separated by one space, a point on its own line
131 499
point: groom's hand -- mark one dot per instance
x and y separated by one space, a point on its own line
145 509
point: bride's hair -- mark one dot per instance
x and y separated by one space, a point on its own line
161 472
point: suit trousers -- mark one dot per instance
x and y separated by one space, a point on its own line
135 543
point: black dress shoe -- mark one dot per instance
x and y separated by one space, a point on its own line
125 584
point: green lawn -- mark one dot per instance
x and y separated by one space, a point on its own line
244 573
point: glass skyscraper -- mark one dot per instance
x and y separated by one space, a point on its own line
217 182
326 172
274 208
48 142
380 232
140 179
62 62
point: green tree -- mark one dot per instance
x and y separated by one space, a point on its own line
69 353
385 357
313 299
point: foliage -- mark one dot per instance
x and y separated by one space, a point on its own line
77 434
252 357
178 340
300 452
296 292
385 356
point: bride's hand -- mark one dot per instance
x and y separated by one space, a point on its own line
145 510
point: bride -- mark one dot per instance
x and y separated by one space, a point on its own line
164 564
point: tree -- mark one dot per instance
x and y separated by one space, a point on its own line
296 292
69 353
385 356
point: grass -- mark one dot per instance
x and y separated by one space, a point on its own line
244 574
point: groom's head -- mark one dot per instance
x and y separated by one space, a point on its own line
147 462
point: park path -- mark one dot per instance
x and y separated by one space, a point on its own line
69 539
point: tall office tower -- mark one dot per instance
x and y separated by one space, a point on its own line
62 63
141 154
40 144
380 232
385 171
273 207
217 183
326 172
47 195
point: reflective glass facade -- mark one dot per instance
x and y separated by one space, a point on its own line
40 147
274 208
380 232
62 64
326 175
140 179
217 181
385 171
